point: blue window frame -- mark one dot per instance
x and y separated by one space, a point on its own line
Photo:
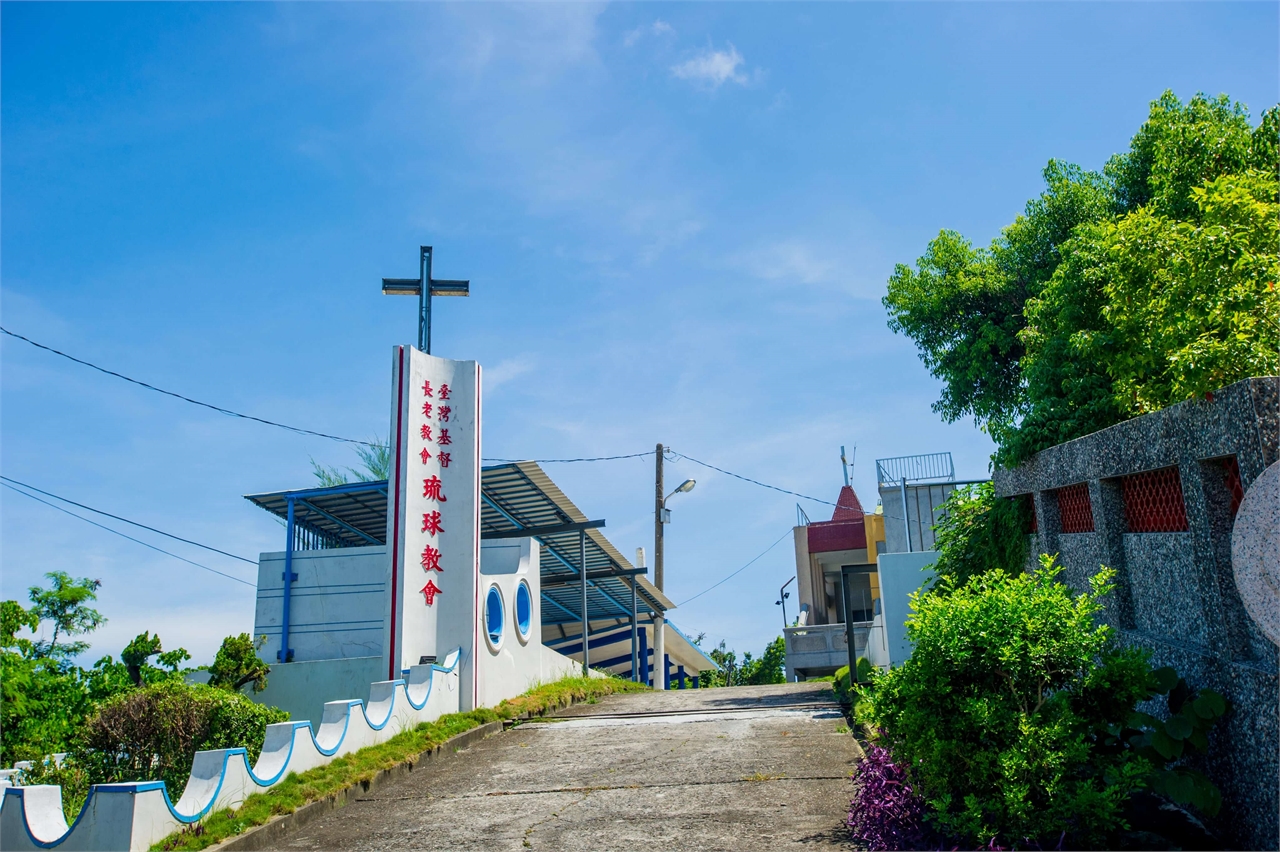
524 610
494 615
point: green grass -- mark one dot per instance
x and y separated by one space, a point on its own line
314 784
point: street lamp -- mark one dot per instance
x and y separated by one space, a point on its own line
783 594
685 488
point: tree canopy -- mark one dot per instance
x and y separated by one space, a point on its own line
1115 292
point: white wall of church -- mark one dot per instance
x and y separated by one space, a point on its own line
337 606
302 689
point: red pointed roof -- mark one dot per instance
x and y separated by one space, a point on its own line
847 506
845 531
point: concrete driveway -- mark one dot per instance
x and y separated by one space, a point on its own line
761 767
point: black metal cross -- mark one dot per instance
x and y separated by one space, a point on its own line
424 287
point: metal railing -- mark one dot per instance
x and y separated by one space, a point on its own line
926 467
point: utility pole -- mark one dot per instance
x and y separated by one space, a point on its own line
657 521
659 623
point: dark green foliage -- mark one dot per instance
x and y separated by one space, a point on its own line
1113 294
154 732
237 663
988 711
1163 742
979 532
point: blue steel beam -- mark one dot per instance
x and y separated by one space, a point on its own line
346 526
560 607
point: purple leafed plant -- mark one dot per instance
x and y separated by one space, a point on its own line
885 812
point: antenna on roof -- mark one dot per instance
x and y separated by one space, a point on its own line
844 465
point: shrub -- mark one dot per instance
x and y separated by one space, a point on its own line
840 684
238 663
996 709
153 733
886 812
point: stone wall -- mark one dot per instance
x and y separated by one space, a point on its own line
1176 590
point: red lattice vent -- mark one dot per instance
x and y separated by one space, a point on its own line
1231 477
1153 501
1074 509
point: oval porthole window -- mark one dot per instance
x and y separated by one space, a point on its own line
493 617
524 611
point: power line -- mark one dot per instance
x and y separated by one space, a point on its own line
753 481
122 535
739 571
210 406
126 520
567 461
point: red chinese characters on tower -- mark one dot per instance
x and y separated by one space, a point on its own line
445 411
431 523
426 409
445 458
431 559
426 389
444 391
426 455
429 591
431 489
425 432
444 438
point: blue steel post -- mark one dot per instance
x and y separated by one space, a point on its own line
666 671
586 622
284 654
634 667
644 658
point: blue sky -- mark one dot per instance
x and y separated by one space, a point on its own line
678 221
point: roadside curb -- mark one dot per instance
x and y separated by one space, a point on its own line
270 834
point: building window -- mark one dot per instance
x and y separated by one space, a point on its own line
494 617
1074 509
524 611
1153 501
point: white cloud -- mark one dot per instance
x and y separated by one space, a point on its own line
790 260
657 28
713 68
504 372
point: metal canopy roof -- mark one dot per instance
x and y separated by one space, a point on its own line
520 495
517 496
353 515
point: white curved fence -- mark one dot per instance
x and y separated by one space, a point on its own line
127 817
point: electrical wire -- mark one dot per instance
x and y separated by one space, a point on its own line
210 406
568 461
752 481
739 571
122 535
125 520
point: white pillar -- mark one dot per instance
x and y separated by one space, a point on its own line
659 653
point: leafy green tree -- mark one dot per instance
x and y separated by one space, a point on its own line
770 668
237 663
66 604
1112 294
1192 304
964 306
375 465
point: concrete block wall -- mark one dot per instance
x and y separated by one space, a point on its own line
1176 592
